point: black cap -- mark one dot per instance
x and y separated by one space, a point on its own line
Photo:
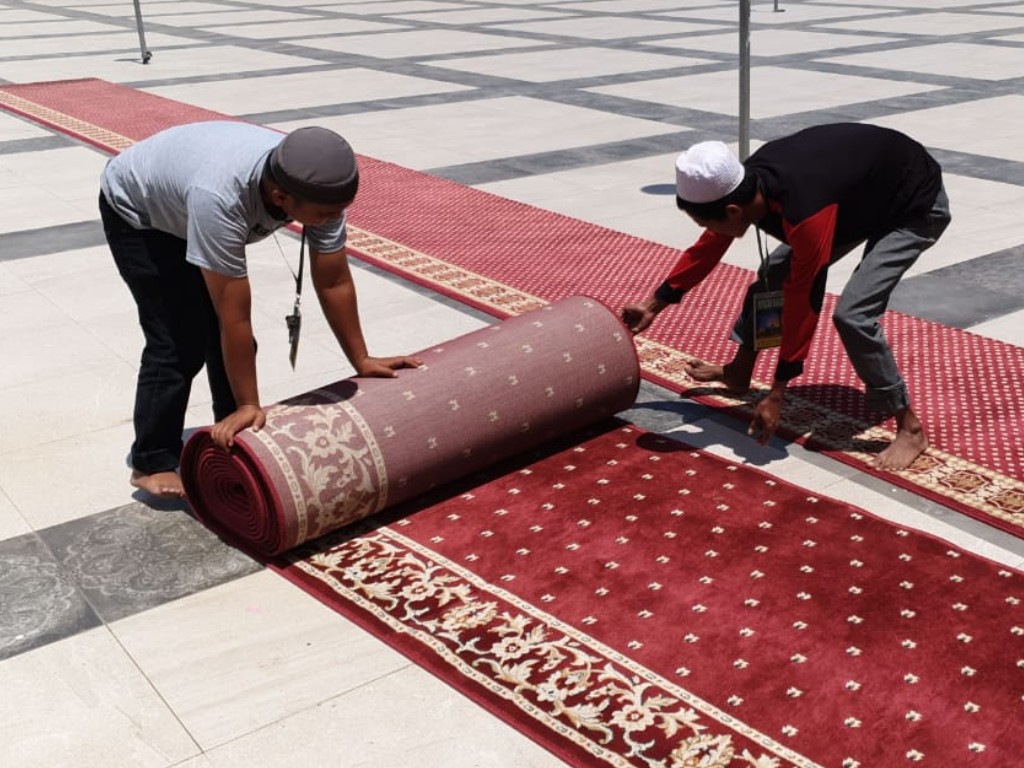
317 165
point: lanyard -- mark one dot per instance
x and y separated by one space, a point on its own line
294 320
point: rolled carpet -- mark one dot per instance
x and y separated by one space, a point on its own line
340 453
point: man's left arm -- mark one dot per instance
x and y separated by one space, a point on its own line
812 242
336 290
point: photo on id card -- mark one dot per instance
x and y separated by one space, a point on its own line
767 319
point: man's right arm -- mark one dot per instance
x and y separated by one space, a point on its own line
689 271
232 300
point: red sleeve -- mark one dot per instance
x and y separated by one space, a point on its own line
698 260
811 241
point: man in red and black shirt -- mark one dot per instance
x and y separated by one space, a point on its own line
822 192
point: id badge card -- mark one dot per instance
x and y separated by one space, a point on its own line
767 319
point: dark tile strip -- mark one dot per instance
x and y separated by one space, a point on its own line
27 243
95 570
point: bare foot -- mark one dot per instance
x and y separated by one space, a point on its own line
164 485
735 375
909 443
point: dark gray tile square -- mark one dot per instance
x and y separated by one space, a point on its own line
39 601
135 557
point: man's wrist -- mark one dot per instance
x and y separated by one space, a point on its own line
655 305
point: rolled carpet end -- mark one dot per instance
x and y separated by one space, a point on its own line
230 494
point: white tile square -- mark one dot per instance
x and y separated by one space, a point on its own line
774 91
11 522
83 702
1008 328
930 24
46 28
982 62
607 27
111 41
452 134
480 16
14 128
388 8
154 11
425 42
628 6
766 41
763 12
548 66
297 29
242 656
124 68
301 90
435 720
957 127
232 17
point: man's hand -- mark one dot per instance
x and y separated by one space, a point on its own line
638 317
767 415
385 367
224 431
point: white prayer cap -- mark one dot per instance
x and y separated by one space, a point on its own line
707 172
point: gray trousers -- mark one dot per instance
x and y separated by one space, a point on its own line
863 300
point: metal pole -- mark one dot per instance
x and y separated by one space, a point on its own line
146 55
744 79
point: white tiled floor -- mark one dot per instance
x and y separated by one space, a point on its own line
292 682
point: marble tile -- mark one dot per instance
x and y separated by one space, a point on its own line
624 6
607 27
583 62
773 42
915 4
84 702
386 9
257 640
195 62
279 92
102 398
133 558
22 15
9 29
112 41
296 30
93 475
426 42
11 522
774 91
229 17
156 11
969 60
764 12
480 16
30 206
456 133
1009 328
45 343
13 128
930 24
41 603
955 127
435 722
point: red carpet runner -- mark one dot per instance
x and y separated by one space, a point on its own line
628 601
506 257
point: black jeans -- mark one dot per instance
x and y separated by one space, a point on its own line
182 334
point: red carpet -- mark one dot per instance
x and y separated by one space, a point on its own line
628 601
507 257
338 454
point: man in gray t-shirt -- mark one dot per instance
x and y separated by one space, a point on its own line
178 210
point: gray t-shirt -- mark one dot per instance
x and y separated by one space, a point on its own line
201 182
